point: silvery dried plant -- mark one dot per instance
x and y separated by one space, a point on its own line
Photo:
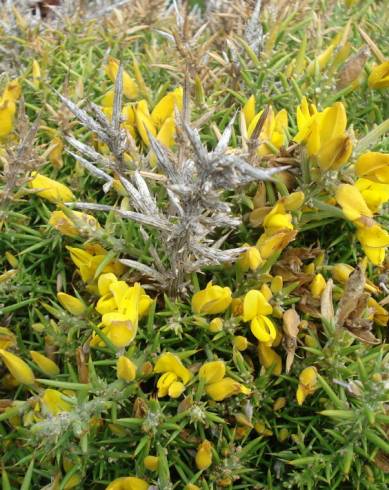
195 181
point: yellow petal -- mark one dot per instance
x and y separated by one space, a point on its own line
352 203
317 286
48 366
167 132
50 189
374 166
204 455
333 123
164 383
128 483
335 153
212 372
72 304
125 369
165 107
17 367
144 124
151 463
104 283
170 362
268 357
255 304
176 389
53 402
263 329
223 389
130 88
379 76
211 300
249 110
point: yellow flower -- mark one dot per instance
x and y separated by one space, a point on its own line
375 194
294 201
225 388
373 166
167 132
72 304
249 110
17 367
241 343
215 325
255 304
50 189
273 130
307 384
250 259
125 369
71 223
165 107
168 362
211 300
151 463
7 338
277 219
53 402
8 101
379 76
204 455
263 329
104 282
144 122
270 243
164 383
335 153
88 262
317 286
176 389
212 372
128 483
352 203
55 155
48 366
374 241
130 88
268 357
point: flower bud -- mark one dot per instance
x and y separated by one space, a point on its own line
20 370
45 364
317 286
204 455
72 304
216 325
151 463
125 369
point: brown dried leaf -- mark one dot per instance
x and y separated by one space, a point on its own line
353 68
352 292
82 356
258 215
291 321
382 461
326 303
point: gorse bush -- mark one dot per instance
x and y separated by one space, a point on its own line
193 287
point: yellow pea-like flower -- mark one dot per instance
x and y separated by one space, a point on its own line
379 76
374 166
375 194
144 123
241 343
263 329
307 384
7 114
204 455
212 372
211 300
48 366
250 259
128 483
72 304
165 107
216 325
104 282
317 286
270 243
167 132
223 389
374 241
176 389
125 369
249 110
164 383
19 369
294 201
50 189
255 304
168 362
269 358
53 402
72 227
335 153
352 203
151 463
130 88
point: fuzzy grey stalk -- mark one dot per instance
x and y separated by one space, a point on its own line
194 187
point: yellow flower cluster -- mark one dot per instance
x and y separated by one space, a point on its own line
218 386
120 306
273 134
137 118
175 375
324 134
359 203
